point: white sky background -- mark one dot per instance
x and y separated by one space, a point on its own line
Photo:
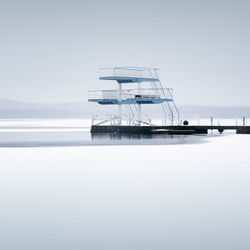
50 51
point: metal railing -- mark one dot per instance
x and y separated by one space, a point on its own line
103 94
126 94
125 119
136 72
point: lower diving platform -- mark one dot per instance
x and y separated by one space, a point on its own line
131 96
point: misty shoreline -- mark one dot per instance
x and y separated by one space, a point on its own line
20 110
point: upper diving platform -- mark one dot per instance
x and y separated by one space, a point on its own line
129 74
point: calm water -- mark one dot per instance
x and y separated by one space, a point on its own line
189 192
48 133
84 138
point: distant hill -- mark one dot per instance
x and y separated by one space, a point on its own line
220 111
15 109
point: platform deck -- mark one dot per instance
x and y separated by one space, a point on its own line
181 129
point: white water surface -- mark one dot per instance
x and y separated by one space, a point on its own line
192 194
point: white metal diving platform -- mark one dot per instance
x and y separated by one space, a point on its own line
148 90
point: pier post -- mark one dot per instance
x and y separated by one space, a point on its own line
212 123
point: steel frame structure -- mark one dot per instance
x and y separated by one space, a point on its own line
135 97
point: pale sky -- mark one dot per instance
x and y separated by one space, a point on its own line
51 49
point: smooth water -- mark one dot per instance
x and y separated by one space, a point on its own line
61 133
190 194
85 138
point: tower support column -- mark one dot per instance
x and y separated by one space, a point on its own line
119 103
139 105
139 113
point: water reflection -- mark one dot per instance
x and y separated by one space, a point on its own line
144 139
85 138
115 136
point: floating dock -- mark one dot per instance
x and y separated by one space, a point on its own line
178 130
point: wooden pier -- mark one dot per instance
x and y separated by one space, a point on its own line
181 129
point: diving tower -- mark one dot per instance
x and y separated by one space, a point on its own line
146 89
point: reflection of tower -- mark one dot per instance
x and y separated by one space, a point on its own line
149 90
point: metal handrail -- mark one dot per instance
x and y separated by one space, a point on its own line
137 72
129 93
127 90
